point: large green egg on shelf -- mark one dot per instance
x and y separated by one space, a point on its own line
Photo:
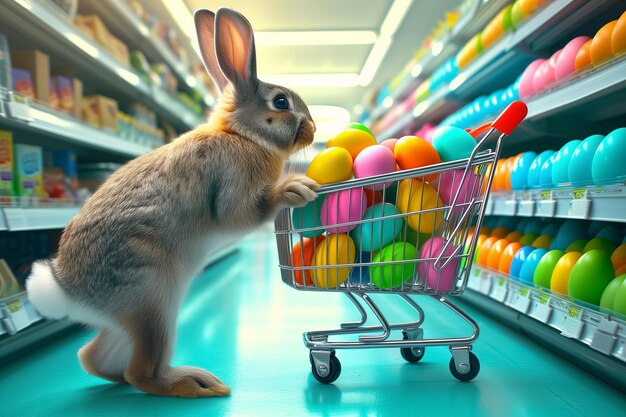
545 267
608 296
619 303
389 276
576 246
590 276
600 243
309 217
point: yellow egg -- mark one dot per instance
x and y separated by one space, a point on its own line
352 140
415 195
336 249
543 241
331 165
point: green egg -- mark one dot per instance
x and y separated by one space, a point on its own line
576 246
590 276
528 239
545 267
361 126
608 296
389 276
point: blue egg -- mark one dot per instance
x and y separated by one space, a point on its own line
527 270
570 231
453 143
535 168
507 222
519 173
608 165
534 225
521 225
361 274
560 165
518 260
611 233
550 229
579 170
594 227
372 236
545 174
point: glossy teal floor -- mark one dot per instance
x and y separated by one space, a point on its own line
243 324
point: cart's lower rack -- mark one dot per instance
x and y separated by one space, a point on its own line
591 202
602 332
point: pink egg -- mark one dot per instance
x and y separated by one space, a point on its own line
374 160
439 281
544 76
390 143
450 181
565 65
526 88
343 207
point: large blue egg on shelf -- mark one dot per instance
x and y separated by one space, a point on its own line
579 170
560 165
518 260
527 271
535 168
608 165
545 174
570 231
519 173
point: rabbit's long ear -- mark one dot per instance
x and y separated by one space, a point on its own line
205 29
234 47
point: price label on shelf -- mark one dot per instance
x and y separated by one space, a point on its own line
604 338
499 290
580 205
474 280
510 208
521 301
542 309
526 208
15 218
18 314
572 325
546 208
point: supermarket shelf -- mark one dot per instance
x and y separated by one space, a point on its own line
65 129
592 202
59 37
15 219
589 338
122 21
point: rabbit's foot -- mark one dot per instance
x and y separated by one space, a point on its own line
106 356
297 190
183 381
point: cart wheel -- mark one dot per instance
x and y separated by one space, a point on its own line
413 355
333 372
474 368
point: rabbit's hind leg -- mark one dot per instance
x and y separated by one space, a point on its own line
107 356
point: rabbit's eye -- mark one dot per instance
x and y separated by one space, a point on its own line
280 102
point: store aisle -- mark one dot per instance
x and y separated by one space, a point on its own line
243 324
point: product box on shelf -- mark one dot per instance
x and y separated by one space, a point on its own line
6 163
63 87
28 170
38 64
77 92
54 96
61 173
94 28
5 63
100 111
22 82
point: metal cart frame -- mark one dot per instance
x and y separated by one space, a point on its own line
457 253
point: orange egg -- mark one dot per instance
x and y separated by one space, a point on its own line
507 176
514 236
618 258
493 259
601 48
583 57
621 271
486 177
483 253
484 230
618 38
499 232
504 265
413 152
304 257
498 176
529 7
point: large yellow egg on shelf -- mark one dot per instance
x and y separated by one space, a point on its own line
494 29
416 196
330 166
601 49
469 52
562 270
336 249
352 140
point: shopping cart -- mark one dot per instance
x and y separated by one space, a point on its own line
434 209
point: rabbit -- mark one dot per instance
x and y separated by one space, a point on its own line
126 260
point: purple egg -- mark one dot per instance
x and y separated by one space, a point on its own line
343 207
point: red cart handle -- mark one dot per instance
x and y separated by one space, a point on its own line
508 120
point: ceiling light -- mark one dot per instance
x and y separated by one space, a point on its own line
362 37
416 70
457 81
312 80
387 102
394 17
436 48
181 15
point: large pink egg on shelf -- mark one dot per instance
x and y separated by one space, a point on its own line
439 281
390 143
526 88
343 207
374 160
565 64
544 76
449 183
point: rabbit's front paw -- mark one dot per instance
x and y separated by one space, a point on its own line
297 190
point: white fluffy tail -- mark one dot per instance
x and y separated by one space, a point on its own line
45 292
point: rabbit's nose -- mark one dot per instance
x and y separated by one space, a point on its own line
314 127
